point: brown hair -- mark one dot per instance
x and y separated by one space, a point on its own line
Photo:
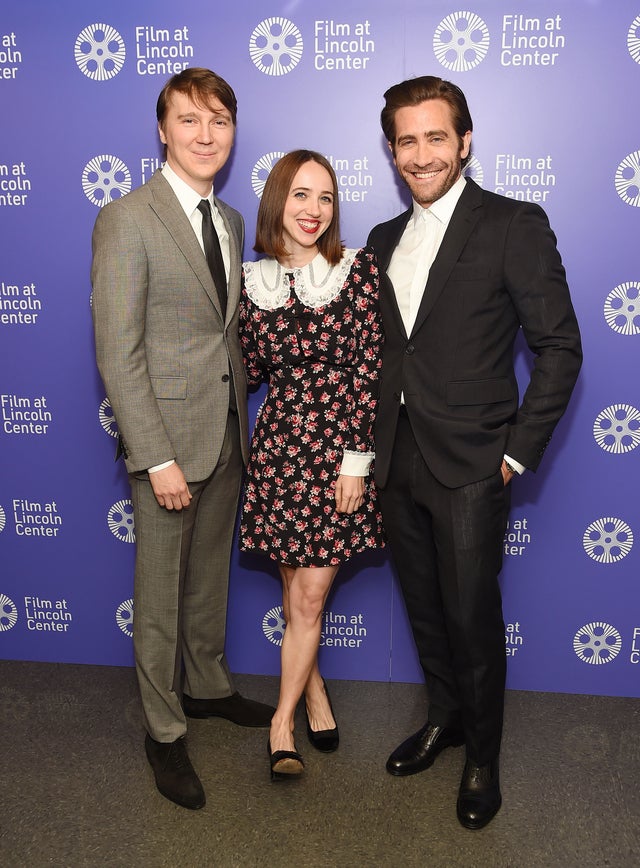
201 86
416 90
269 238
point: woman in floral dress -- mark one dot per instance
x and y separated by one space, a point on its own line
310 325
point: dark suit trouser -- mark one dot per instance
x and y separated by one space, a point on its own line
447 546
180 592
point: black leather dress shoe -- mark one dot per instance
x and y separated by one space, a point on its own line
237 709
479 798
418 752
175 776
326 740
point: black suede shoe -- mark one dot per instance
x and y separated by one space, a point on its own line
326 740
237 709
418 752
479 798
175 776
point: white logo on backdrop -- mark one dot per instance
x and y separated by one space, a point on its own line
105 178
8 613
617 428
608 540
260 171
275 46
3 519
120 521
474 170
124 617
461 41
107 419
100 52
273 625
628 179
597 643
633 39
622 309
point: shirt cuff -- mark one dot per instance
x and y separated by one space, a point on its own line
356 463
161 466
520 468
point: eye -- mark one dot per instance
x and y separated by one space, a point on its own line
327 199
300 194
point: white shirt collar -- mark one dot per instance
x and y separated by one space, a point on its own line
189 199
444 207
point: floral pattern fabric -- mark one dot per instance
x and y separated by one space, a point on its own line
315 333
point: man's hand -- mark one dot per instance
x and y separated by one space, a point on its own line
170 487
507 475
349 493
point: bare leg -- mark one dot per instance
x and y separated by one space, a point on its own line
304 593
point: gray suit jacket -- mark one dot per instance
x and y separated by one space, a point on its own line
163 350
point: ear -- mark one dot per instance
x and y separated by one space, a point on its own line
391 147
163 138
466 145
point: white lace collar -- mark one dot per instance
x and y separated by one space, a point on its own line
316 284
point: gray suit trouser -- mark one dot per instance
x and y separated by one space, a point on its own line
180 591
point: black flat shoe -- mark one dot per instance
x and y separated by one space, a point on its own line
326 740
284 763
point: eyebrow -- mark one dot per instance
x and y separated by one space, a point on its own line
308 190
417 135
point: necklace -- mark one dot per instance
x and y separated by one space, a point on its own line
278 276
312 277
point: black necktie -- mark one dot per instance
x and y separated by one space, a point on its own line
213 253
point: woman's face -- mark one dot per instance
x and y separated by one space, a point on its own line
308 211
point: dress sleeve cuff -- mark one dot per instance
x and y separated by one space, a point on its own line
356 463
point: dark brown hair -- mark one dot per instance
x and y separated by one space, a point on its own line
201 86
416 90
269 237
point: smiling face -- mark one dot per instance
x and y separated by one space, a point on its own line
308 212
427 151
198 139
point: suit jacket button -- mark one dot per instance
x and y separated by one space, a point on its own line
225 378
409 349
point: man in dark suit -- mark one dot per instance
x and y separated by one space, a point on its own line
462 271
166 286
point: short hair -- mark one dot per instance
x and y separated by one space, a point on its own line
417 90
201 86
269 235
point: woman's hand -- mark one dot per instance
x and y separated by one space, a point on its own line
349 493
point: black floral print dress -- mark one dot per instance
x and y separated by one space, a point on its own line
315 333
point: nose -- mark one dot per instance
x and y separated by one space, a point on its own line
423 153
205 134
313 207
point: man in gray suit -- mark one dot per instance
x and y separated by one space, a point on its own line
166 285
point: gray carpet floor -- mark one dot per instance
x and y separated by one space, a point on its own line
76 790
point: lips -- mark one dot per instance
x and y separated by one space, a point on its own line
309 226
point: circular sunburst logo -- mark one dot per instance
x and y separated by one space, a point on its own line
273 625
124 617
105 178
608 540
617 428
8 613
461 41
120 521
622 309
99 51
474 170
597 643
276 46
627 179
3 519
107 419
260 171
633 39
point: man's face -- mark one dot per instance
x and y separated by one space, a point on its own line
427 150
198 140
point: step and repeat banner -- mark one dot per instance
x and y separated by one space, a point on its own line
552 87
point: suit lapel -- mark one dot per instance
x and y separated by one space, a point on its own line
175 221
464 218
235 262
390 236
